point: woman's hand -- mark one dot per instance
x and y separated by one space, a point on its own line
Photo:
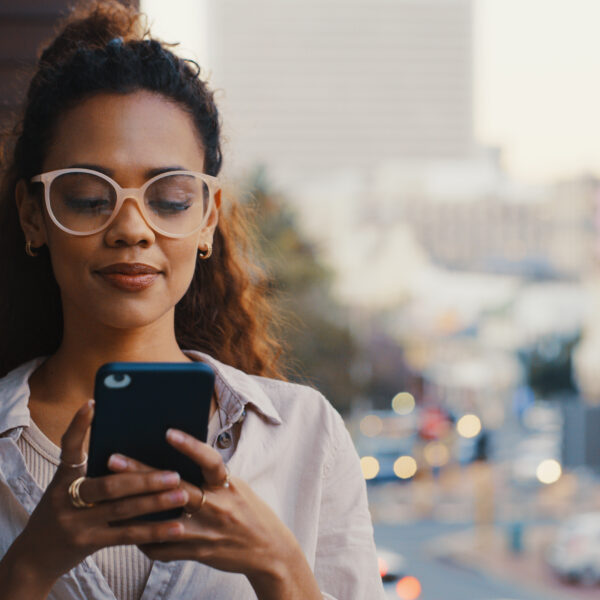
230 528
58 536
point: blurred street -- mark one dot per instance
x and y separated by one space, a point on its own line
490 575
430 523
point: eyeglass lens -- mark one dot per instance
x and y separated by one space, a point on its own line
83 202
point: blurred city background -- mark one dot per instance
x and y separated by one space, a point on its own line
425 176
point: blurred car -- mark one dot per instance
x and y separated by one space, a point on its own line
385 436
543 417
474 448
530 453
575 553
393 571
392 566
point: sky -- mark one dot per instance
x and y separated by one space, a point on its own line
537 85
536 78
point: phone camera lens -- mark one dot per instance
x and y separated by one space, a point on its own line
117 380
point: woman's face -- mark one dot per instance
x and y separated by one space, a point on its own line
127 137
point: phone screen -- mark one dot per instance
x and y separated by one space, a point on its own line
135 405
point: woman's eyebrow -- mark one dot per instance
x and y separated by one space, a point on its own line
110 172
159 170
98 168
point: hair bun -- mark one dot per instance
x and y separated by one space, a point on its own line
93 26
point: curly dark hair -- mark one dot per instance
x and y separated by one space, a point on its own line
104 47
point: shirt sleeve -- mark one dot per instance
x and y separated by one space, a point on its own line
346 562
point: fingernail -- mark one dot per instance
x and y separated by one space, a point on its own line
87 407
174 529
177 496
170 478
117 461
174 436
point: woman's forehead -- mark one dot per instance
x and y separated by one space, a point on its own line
139 129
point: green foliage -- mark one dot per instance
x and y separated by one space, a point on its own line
320 348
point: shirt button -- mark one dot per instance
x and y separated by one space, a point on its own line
224 440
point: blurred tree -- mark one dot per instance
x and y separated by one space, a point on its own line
388 372
320 349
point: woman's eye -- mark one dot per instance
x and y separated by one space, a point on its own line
169 206
89 204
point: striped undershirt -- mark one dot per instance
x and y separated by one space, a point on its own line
125 568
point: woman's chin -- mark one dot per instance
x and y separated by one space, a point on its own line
132 321
131 316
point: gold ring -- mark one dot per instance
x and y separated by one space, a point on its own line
187 514
77 465
76 500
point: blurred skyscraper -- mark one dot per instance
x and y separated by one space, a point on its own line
329 84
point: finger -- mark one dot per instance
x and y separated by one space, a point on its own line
175 551
125 464
113 487
72 441
209 460
139 533
121 463
129 508
131 465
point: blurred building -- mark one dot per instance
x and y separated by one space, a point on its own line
468 217
316 85
24 26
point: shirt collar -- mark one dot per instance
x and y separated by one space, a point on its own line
239 390
14 396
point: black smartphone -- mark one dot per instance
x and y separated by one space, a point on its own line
135 405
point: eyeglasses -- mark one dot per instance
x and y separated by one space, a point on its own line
83 202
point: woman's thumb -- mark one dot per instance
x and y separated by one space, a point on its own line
72 453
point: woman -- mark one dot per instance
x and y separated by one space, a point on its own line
97 275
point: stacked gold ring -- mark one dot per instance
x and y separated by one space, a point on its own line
76 500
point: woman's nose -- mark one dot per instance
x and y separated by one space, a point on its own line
129 227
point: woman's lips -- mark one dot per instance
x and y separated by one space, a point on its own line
129 277
130 283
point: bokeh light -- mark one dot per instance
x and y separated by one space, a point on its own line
405 467
403 403
549 471
408 588
370 467
469 426
383 566
371 426
436 454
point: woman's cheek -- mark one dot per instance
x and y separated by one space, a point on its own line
184 273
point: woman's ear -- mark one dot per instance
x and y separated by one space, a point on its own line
218 199
30 215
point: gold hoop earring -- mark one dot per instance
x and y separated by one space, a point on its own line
204 254
29 251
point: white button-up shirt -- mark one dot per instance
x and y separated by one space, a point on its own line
292 449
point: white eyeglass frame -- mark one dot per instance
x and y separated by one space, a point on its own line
136 194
